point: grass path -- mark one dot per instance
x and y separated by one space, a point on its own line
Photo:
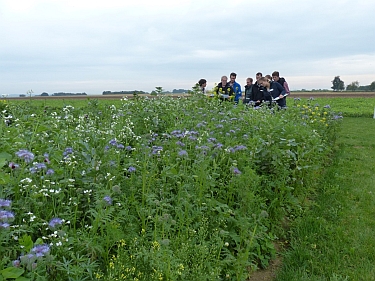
335 240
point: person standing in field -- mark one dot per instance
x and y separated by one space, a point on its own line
236 87
257 95
248 89
223 90
281 80
272 90
202 85
268 77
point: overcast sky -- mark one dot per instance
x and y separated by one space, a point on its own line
113 45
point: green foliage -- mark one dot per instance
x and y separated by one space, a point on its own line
353 86
157 189
337 84
334 239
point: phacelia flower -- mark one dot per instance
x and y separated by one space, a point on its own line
4 225
236 171
113 142
4 203
131 169
25 155
108 200
6 216
50 172
55 222
182 153
40 250
68 151
13 165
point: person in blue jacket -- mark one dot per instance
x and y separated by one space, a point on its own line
236 87
272 90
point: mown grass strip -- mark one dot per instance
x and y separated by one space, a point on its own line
335 239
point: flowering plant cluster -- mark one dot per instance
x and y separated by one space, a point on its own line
154 189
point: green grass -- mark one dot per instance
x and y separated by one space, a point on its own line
334 240
350 107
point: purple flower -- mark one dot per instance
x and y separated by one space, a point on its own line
128 148
218 146
113 142
40 250
192 138
219 126
4 225
13 165
55 222
180 143
156 149
50 172
211 140
336 117
16 263
6 216
131 169
46 158
120 146
236 171
182 153
108 200
5 203
68 151
327 106
37 167
26 155
240 147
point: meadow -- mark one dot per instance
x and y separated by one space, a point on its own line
154 189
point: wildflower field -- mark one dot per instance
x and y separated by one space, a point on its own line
154 189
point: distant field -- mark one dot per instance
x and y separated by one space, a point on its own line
116 97
334 94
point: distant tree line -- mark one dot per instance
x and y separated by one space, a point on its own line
338 85
135 92
68 94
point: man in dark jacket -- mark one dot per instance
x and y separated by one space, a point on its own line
248 88
223 90
281 80
257 95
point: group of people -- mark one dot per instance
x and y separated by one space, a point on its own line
265 89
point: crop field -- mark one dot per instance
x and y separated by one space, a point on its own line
154 189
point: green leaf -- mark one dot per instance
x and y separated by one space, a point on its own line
39 241
2 162
21 278
4 178
12 272
26 242
4 157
